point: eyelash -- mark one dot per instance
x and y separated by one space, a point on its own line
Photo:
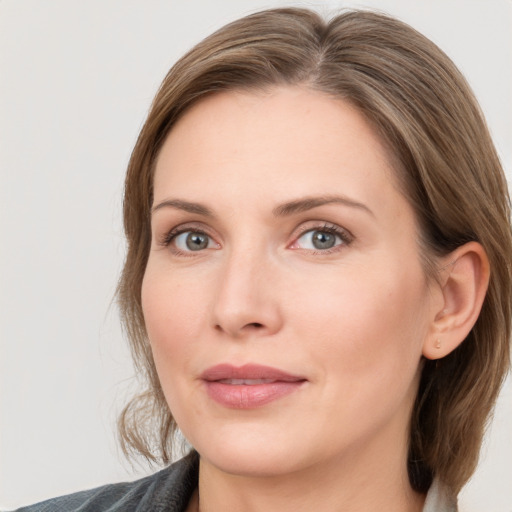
170 236
345 236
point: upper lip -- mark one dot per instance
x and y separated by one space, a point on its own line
248 371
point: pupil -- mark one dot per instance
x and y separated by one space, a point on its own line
197 241
323 240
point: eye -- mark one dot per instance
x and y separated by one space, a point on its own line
321 239
190 241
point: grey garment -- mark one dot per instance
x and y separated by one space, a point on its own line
170 490
439 500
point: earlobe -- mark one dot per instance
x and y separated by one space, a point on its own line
463 282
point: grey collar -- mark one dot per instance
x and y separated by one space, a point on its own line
439 499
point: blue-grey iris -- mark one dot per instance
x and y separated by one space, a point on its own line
196 241
323 240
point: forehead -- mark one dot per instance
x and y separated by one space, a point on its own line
286 141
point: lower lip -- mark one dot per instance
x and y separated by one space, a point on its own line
249 397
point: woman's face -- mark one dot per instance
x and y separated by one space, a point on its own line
284 295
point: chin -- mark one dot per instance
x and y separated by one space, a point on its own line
251 453
248 463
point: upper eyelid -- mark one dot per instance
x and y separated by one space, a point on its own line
185 226
327 226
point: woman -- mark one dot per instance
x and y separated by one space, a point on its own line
317 284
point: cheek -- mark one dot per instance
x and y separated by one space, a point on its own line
174 315
170 303
172 312
367 352
367 325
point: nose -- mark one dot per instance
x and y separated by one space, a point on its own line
247 302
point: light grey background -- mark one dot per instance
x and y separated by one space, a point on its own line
76 80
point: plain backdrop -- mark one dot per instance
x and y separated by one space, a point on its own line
76 80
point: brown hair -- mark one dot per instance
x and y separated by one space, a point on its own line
449 170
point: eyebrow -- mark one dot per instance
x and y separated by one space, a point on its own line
283 210
308 203
187 206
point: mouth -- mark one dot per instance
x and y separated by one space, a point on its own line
249 386
245 382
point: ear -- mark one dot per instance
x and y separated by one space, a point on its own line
463 281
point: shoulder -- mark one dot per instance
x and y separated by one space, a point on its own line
169 490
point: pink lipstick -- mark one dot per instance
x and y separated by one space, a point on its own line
248 386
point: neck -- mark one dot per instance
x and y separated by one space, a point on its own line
369 474
374 483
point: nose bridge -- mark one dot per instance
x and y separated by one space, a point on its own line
245 301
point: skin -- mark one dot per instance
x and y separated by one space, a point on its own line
354 320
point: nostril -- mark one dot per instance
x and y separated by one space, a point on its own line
239 330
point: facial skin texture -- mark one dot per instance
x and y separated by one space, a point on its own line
352 320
